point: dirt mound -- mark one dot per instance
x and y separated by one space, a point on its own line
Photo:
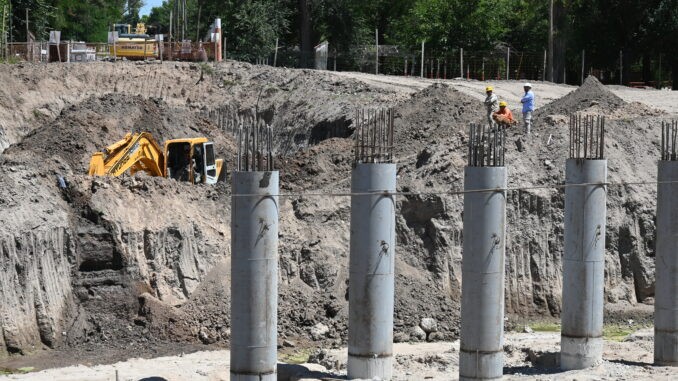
592 94
437 111
88 127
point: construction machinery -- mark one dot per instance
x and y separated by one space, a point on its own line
191 159
137 45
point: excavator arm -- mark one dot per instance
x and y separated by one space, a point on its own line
135 152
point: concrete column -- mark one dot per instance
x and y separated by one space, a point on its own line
666 267
371 271
254 276
482 300
581 344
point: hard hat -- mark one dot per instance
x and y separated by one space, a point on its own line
503 104
489 88
528 85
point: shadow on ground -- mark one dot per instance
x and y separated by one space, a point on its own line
292 371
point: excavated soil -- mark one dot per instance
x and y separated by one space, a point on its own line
135 263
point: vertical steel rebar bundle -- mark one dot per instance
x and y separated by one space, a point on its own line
669 140
227 119
255 146
587 137
486 146
374 136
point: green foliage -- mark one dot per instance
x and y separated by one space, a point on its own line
88 20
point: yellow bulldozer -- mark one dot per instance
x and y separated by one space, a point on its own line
191 159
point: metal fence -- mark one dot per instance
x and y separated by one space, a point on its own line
501 63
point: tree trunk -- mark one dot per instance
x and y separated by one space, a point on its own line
305 29
559 41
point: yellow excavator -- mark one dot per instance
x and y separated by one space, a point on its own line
133 45
190 159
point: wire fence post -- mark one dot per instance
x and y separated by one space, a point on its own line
544 72
508 60
621 68
376 66
583 58
275 54
422 58
482 72
461 63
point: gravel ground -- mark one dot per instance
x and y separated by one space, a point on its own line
528 356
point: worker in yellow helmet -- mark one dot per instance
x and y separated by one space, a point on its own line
491 103
504 116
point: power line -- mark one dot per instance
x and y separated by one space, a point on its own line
455 193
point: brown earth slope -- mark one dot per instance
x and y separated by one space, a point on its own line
127 261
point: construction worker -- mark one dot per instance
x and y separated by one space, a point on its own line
528 106
491 103
504 116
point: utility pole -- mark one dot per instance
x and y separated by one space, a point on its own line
550 69
461 63
275 54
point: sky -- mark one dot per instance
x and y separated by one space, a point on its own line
149 4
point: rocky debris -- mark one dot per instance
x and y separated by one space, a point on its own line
324 358
417 334
542 359
429 325
401 337
319 331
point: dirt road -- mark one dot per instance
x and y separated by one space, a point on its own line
511 91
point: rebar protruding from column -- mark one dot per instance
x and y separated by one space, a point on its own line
371 271
587 136
255 146
581 344
254 276
669 140
482 301
486 146
666 256
374 136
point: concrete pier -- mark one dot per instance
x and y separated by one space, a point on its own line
254 276
372 265
581 343
666 267
482 302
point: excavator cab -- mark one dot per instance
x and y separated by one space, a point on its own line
192 160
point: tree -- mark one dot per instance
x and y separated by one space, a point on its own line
87 20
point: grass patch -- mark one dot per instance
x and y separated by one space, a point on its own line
618 332
24 370
299 357
207 68
545 327
11 60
